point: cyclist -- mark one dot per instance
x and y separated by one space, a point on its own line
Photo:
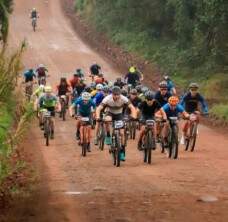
190 102
63 89
171 109
170 85
74 80
94 70
34 14
148 109
133 77
38 93
29 75
41 73
115 103
162 95
144 89
86 107
135 100
80 73
119 83
99 79
49 102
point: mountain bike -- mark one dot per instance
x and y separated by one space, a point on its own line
34 24
148 141
47 126
190 140
101 134
84 134
173 142
116 141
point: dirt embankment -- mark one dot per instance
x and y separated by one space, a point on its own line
114 53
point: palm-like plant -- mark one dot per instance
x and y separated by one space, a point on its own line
5 10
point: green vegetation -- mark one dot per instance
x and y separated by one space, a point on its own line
187 39
220 111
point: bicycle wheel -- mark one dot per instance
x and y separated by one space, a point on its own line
132 129
84 148
149 142
64 111
117 153
47 132
84 143
174 143
101 138
194 136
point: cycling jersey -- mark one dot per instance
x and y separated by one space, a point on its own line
115 107
149 111
93 93
63 89
74 81
94 69
34 14
162 99
170 85
46 101
29 76
80 88
84 109
41 72
98 98
191 103
132 78
38 92
173 113
136 102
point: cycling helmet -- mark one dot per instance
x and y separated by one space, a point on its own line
193 85
124 92
134 92
87 89
41 66
99 87
48 89
106 89
138 88
116 90
31 70
93 85
149 95
132 69
110 84
118 79
166 77
163 85
86 96
144 89
173 100
34 9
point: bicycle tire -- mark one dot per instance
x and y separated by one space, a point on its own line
148 147
101 138
174 143
118 148
84 149
47 132
194 136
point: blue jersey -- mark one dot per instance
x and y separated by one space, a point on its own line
29 75
98 98
170 85
84 109
173 113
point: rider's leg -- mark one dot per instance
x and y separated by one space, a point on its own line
96 133
78 129
88 137
141 135
108 120
165 132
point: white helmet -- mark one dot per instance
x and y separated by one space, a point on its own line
86 96
99 87
110 84
41 66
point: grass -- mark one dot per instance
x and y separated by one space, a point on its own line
220 111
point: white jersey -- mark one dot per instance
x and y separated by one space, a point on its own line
115 107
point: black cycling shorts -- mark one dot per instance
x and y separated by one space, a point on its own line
115 117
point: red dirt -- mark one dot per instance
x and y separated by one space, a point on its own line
167 190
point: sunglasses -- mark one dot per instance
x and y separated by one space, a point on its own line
164 89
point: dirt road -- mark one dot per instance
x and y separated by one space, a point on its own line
73 188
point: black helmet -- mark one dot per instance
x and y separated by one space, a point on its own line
106 89
144 89
149 95
116 90
87 89
124 92
139 88
193 85
134 92
163 85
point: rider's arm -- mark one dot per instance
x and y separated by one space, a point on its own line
133 111
203 104
98 110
